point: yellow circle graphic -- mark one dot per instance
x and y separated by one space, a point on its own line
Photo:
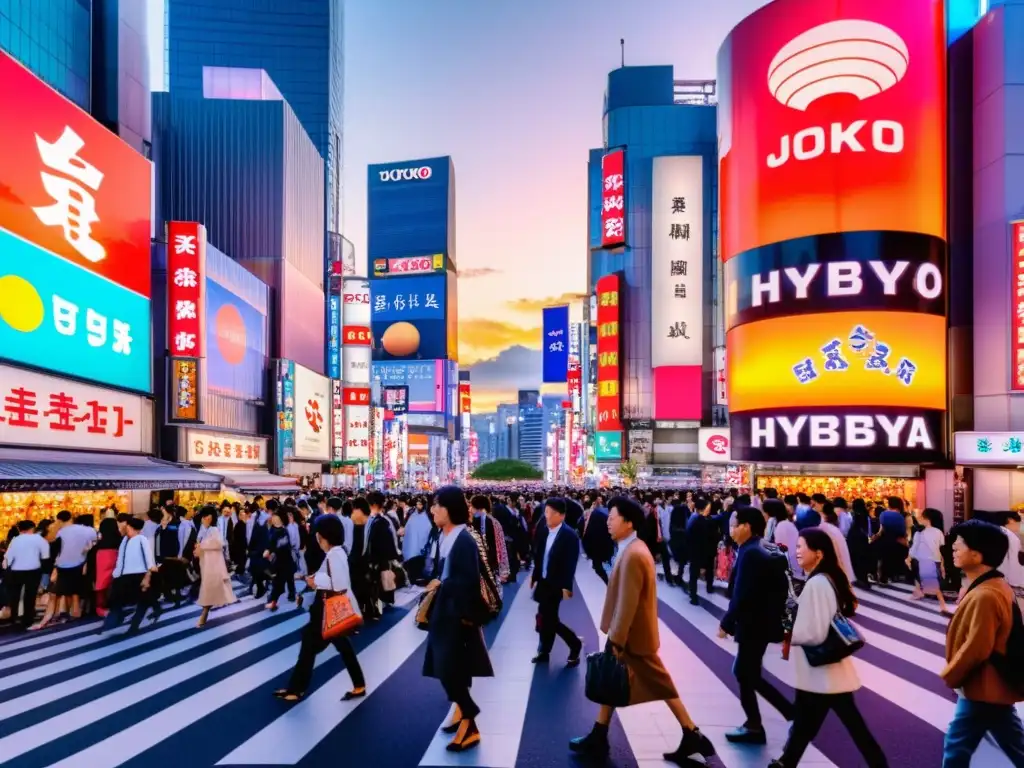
20 304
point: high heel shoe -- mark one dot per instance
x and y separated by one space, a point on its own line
467 737
298 602
453 725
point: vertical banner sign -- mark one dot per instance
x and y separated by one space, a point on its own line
186 389
609 395
574 377
334 336
613 199
677 260
721 391
337 422
465 400
284 437
556 344
1017 302
186 288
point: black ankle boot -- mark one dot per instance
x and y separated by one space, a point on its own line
594 743
693 743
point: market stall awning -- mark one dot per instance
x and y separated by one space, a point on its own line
251 482
28 470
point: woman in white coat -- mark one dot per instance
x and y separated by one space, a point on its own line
830 686
215 585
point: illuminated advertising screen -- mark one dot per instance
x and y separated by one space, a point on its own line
410 209
409 318
832 118
357 433
465 397
609 345
608 446
835 316
334 336
312 415
186 289
613 199
555 355
237 344
396 400
1017 303
425 381
74 240
409 265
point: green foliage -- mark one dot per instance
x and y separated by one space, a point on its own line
507 469
629 471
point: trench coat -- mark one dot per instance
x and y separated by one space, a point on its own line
215 588
456 652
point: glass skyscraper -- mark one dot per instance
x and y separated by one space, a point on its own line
53 38
298 43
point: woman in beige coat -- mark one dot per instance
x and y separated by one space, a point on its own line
215 583
630 620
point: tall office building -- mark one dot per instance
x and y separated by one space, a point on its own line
532 438
53 38
300 45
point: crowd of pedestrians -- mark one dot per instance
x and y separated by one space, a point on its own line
787 565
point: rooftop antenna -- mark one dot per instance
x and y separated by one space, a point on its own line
622 49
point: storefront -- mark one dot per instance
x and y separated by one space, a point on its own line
873 483
718 470
242 460
79 447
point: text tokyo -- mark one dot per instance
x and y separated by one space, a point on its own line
853 431
846 278
407 174
885 136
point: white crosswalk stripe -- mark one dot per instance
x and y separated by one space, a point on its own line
66 688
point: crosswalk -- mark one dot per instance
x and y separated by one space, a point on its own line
176 695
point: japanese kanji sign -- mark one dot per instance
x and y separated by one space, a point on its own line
214 448
186 288
357 432
609 346
677 261
409 298
555 353
613 199
48 412
337 422
1017 306
72 187
989 448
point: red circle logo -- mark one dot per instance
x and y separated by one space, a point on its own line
718 444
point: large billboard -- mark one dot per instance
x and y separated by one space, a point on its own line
237 345
832 117
555 356
425 381
410 209
74 240
409 318
835 316
613 199
312 415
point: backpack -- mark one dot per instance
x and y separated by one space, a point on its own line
1010 665
780 596
489 607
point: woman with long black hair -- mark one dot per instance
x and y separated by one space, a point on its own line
829 686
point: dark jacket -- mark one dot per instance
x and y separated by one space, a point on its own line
702 537
456 650
677 528
381 550
597 541
565 553
753 615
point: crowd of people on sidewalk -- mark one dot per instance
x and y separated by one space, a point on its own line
788 566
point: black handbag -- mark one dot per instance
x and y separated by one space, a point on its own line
842 640
607 680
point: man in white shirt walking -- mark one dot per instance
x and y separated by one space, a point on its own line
133 573
24 565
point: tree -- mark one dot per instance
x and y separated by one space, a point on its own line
507 469
629 471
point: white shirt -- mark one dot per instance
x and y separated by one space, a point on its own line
817 607
787 534
339 580
185 528
75 541
552 534
447 542
134 556
1011 567
149 529
27 552
927 545
350 531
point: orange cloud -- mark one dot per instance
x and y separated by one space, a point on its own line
481 339
536 305
470 272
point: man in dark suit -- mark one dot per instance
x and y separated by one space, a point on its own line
597 542
258 542
556 550
754 618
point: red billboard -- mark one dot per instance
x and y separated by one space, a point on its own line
71 186
613 199
1017 302
186 288
357 335
356 396
609 344
836 111
465 401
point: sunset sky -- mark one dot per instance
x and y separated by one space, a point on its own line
513 91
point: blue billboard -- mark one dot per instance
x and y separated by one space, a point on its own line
59 317
334 336
408 316
410 209
236 348
425 381
556 345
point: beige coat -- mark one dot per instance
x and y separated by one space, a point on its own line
215 588
630 619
